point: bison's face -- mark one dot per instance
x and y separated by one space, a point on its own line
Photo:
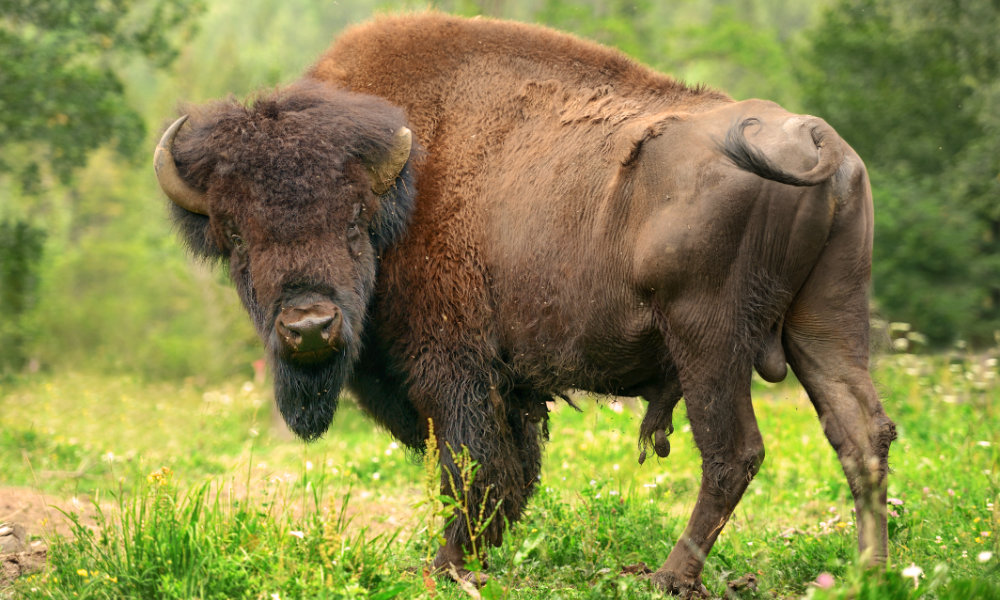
299 194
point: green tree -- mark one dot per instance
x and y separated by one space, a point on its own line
62 98
741 47
60 93
624 24
912 85
20 252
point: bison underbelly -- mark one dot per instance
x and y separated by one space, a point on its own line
608 356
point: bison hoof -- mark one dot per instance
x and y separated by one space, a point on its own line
451 562
673 584
464 577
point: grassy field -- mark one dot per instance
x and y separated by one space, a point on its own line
191 491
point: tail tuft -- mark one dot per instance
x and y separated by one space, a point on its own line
750 158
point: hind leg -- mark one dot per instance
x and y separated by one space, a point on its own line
826 343
715 378
732 451
834 371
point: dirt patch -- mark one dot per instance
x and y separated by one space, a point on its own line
17 565
28 518
40 513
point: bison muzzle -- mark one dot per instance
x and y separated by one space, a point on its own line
309 332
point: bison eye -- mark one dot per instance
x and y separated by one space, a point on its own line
237 241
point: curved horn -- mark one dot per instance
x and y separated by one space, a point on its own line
384 174
171 182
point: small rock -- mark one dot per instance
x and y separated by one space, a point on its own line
639 568
747 582
12 538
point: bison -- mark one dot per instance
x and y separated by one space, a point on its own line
560 218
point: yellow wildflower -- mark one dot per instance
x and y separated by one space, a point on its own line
161 477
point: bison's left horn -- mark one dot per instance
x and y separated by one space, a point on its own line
171 182
384 174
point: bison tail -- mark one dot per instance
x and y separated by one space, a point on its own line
798 139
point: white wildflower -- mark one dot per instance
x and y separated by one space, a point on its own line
913 572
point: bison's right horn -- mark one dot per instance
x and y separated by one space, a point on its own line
384 174
171 182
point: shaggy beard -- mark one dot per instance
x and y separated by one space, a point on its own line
307 395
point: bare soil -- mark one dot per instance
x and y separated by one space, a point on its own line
41 518
40 513
13 566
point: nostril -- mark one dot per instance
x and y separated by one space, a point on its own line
287 332
310 329
335 321
312 332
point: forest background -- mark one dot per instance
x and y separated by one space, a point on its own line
93 278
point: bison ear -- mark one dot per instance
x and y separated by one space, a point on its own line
195 231
384 173
394 184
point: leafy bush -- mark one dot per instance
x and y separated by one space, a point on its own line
21 246
913 87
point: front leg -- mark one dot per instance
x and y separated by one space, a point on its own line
490 453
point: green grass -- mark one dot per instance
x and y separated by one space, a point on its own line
199 495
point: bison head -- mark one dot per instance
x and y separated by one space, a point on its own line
299 192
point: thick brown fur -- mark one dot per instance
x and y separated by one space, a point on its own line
585 222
